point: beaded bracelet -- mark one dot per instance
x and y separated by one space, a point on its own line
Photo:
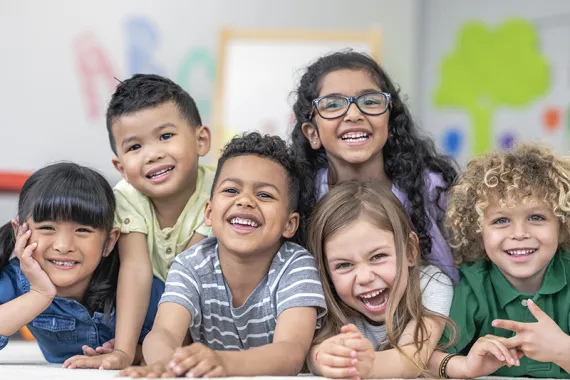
443 366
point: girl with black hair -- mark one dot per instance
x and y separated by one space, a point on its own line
374 138
58 266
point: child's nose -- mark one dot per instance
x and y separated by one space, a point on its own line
154 155
353 113
520 231
245 200
63 243
364 275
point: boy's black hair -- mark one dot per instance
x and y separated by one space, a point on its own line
274 148
408 156
147 91
70 192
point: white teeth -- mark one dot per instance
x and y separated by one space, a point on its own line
245 222
64 263
518 252
160 172
355 136
373 294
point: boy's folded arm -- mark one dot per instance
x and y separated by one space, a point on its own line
169 331
133 291
285 356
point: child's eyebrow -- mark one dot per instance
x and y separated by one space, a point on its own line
256 185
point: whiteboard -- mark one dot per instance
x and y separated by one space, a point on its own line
259 71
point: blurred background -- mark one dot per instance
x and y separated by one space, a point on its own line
477 75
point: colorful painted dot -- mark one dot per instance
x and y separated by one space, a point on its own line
551 118
453 141
507 140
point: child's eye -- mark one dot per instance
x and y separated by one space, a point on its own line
46 228
134 147
84 230
536 218
266 195
378 257
230 190
343 265
166 136
501 221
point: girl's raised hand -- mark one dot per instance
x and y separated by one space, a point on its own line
39 280
336 359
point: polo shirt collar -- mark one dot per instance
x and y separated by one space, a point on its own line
554 281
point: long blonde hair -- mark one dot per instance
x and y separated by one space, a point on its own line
374 201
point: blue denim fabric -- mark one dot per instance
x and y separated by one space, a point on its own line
66 325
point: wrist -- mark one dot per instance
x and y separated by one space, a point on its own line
563 359
450 367
129 354
46 296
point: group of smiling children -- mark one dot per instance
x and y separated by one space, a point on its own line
337 254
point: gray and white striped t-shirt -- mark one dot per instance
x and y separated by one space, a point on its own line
196 282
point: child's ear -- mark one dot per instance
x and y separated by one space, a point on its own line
413 249
292 225
204 139
208 213
119 168
311 133
112 240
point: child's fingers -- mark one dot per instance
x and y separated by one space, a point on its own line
103 350
28 252
504 354
110 344
202 367
337 349
350 328
21 243
88 351
184 365
339 373
337 361
361 344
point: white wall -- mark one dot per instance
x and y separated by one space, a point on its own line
44 112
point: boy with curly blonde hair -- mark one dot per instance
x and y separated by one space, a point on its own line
509 217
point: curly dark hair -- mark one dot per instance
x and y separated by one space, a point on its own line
407 155
146 91
301 186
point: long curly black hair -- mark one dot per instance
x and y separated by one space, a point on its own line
407 155
300 183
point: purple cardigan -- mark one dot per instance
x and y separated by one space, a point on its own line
440 255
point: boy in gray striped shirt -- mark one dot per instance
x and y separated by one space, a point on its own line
251 296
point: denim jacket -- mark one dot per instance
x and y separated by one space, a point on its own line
66 325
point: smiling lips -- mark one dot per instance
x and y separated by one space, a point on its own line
244 224
63 264
375 300
158 174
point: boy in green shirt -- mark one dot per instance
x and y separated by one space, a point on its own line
509 216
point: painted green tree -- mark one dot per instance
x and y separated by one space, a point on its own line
492 68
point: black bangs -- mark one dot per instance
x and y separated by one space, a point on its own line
70 194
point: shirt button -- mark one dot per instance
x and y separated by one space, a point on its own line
169 250
127 221
524 303
167 237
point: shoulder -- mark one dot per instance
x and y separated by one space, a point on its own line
124 191
431 274
207 174
476 271
291 259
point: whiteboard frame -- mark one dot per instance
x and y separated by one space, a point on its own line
371 37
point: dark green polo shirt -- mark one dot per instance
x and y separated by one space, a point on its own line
484 294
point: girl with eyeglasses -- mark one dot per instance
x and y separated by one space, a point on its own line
351 124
